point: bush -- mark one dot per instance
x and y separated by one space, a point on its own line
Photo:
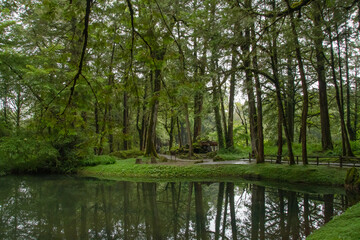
125 154
21 154
218 159
98 160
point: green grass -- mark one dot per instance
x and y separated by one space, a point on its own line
343 227
319 175
314 149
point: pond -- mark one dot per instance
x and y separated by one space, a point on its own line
61 207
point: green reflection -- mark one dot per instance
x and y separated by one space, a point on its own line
57 207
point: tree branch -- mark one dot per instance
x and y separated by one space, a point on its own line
86 35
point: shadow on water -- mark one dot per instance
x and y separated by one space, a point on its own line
56 207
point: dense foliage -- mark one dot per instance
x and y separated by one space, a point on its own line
84 78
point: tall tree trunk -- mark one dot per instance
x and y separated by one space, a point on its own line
109 105
188 130
356 105
304 89
18 107
199 95
223 114
216 88
260 158
151 142
126 120
281 113
275 69
179 132
250 86
290 97
230 130
243 123
326 141
283 118
171 132
198 106
215 102
351 131
346 147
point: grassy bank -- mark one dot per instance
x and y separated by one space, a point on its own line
343 227
320 175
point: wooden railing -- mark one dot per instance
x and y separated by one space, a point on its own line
341 161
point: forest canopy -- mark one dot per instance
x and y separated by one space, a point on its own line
84 78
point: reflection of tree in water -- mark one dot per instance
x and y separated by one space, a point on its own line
68 208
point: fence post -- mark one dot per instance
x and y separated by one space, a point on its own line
317 161
341 162
249 157
297 160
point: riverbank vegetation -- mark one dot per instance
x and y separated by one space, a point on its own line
282 173
80 79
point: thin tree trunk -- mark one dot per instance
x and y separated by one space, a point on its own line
260 158
179 132
215 93
290 97
351 131
223 114
243 123
275 69
356 106
250 86
171 132
326 141
126 120
346 147
188 130
110 84
230 130
304 89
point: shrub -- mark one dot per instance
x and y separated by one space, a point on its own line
26 154
98 160
125 154
218 159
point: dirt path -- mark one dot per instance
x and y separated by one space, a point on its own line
174 160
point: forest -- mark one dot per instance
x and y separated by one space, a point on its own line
80 79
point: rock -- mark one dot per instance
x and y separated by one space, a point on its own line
138 161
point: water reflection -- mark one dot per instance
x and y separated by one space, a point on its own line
73 208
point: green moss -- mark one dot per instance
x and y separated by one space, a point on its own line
316 175
343 227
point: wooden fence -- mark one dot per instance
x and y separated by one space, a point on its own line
338 161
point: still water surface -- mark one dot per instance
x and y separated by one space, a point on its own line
57 207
